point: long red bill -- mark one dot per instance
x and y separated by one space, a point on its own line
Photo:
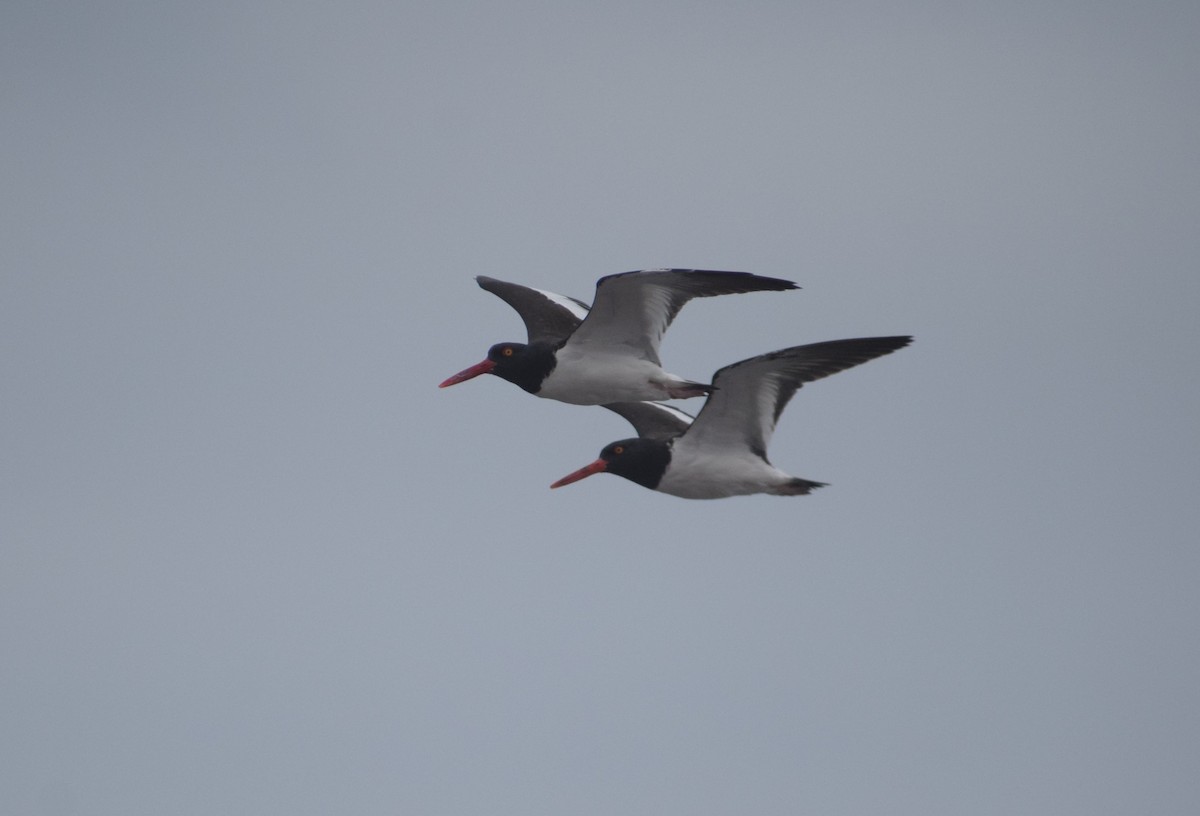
469 373
595 467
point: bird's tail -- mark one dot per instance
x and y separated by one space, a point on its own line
686 389
797 487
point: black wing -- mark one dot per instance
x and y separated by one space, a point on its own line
548 317
632 310
750 395
653 420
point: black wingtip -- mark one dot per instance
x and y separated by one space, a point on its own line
743 282
719 281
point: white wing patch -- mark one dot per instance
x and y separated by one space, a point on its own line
740 414
656 307
673 411
764 409
565 302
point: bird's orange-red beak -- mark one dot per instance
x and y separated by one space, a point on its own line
587 470
469 373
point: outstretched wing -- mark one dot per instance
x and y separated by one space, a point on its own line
749 397
653 420
632 310
548 317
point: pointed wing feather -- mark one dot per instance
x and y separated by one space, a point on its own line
632 310
548 317
751 395
653 419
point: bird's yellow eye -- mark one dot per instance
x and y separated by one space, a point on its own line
618 450
507 351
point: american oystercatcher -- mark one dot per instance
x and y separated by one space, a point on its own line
608 353
723 452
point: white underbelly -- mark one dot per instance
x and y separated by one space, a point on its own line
597 380
708 477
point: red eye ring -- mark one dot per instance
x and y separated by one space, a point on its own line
508 352
619 449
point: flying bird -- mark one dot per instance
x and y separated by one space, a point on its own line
608 352
723 451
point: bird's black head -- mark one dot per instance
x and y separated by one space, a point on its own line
639 460
502 353
523 365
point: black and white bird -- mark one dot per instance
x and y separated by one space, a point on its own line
723 452
608 352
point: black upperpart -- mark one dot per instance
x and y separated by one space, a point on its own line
639 460
525 365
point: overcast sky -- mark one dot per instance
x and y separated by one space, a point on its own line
253 560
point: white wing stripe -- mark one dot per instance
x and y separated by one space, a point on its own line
565 302
671 409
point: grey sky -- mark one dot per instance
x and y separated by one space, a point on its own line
253 561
